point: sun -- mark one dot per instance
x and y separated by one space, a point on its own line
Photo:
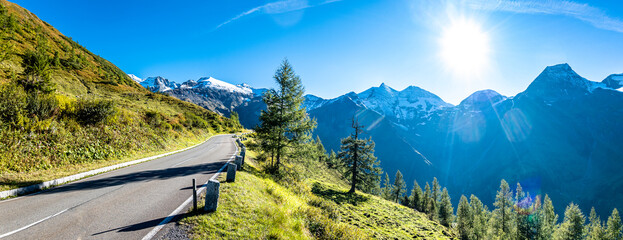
465 47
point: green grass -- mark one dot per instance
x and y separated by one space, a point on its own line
257 206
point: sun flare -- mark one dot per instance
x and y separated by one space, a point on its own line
465 47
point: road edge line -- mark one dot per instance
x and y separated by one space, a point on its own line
78 176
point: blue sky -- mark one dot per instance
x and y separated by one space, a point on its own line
344 45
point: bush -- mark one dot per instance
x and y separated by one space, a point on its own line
194 121
42 106
36 66
12 104
93 111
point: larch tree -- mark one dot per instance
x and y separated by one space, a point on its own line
361 166
426 199
415 199
480 218
548 219
464 218
400 187
595 228
503 210
386 190
613 230
285 123
572 228
446 212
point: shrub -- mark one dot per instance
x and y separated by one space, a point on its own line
36 66
93 111
12 103
42 106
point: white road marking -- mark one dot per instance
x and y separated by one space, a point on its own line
156 229
32 224
182 162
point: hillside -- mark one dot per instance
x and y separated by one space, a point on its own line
64 109
313 205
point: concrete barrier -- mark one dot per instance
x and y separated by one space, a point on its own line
212 194
231 172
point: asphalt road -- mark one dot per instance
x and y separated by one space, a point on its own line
127 203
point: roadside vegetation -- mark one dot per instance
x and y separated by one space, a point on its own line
291 189
65 110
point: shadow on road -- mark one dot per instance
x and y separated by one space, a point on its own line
138 226
161 174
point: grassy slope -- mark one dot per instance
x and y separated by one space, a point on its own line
258 207
37 149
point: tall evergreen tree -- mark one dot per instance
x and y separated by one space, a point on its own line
386 191
480 218
399 187
614 226
595 228
416 197
464 218
503 212
426 199
320 148
284 123
572 228
358 158
436 191
548 219
446 212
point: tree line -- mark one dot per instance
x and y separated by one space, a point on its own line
285 126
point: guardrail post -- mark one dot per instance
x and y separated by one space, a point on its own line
238 161
194 195
231 172
212 193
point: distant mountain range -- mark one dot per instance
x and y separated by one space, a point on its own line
561 136
208 92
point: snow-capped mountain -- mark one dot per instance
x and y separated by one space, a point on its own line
210 82
211 93
135 78
159 84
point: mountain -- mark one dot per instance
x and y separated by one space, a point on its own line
208 92
158 84
406 105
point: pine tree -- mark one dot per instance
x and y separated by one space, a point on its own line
426 199
613 230
399 187
416 197
548 219
480 219
284 123
358 158
464 218
434 200
572 228
503 212
446 212
595 228
386 191
436 190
